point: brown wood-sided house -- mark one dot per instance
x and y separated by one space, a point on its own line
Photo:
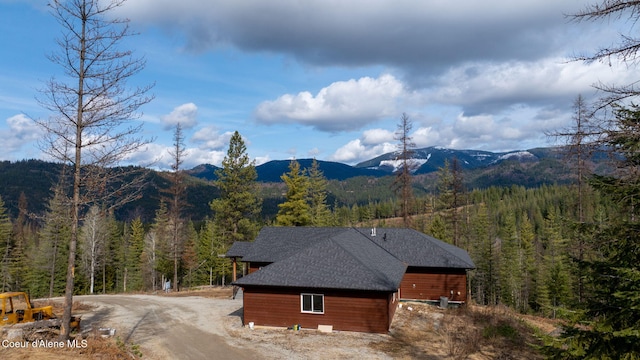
347 278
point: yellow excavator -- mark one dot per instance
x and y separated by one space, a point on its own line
15 308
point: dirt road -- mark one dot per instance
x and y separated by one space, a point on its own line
169 327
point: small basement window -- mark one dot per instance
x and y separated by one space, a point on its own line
312 303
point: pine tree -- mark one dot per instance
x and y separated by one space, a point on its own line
509 267
156 257
189 256
47 277
237 210
320 213
556 264
6 248
295 211
133 259
484 278
526 261
612 306
209 246
22 233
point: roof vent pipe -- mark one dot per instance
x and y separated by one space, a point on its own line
373 232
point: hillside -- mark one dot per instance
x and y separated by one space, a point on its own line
348 185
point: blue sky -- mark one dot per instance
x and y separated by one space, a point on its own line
325 78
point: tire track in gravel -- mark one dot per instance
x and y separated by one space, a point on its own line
168 327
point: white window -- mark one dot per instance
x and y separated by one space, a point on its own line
312 303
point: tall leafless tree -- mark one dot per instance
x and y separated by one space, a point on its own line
177 152
625 51
90 127
403 182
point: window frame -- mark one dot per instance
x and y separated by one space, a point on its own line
312 298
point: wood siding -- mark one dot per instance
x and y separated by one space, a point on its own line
364 311
432 283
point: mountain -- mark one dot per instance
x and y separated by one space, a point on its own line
272 170
431 159
365 182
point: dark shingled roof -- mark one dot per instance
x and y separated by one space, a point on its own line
278 243
344 258
239 249
345 261
420 250
414 248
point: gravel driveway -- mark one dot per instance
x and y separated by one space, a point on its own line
169 327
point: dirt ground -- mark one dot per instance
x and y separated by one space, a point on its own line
207 325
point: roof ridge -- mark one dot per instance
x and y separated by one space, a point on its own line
378 245
367 265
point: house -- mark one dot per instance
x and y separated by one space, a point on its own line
347 278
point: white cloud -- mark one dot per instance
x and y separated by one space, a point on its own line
262 159
209 138
21 132
185 114
377 136
343 105
492 87
158 156
355 151
197 156
23 128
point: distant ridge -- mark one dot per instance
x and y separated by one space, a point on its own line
432 158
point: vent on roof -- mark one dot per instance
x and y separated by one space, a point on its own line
373 232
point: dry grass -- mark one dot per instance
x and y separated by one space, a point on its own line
93 347
213 292
471 332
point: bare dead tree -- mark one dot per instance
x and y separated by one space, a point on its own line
178 152
626 50
402 183
91 126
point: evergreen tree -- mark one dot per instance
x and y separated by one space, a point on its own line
295 211
509 266
6 248
526 262
47 277
111 267
555 264
189 256
22 234
484 278
612 306
133 259
209 246
237 210
320 213
158 264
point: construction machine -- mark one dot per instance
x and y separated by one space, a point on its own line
15 308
